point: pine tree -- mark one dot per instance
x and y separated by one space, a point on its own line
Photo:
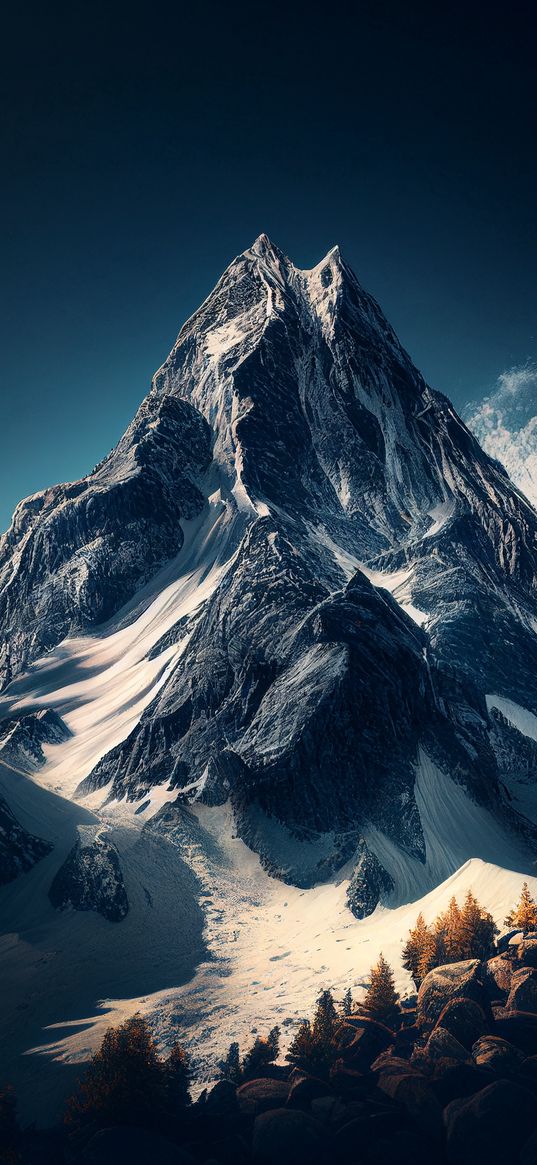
273 1040
477 930
301 1048
262 1053
428 957
414 946
124 1083
452 932
325 1018
230 1068
346 1006
177 1075
313 1045
381 999
524 914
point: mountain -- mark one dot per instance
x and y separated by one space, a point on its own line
290 620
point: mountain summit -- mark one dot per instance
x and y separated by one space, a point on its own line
361 581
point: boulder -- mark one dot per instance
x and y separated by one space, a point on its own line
523 993
416 1096
137 1146
360 1132
465 1020
257 1096
517 1027
389 1065
497 977
405 1039
490 1126
454 1081
527 952
529 1069
528 1152
363 1039
221 1099
305 1089
326 1108
505 942
404 1147
348 1082
497 1055
442 1045
287 1136
444 984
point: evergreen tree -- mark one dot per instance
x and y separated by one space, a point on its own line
262 1053
301 1048
177 1075
273 1040
381 999
230 1068
428 956
451 928
477 930
414 947
313 1045
346 1006
524 914
124 1083
325 1018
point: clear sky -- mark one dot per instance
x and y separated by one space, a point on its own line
145 144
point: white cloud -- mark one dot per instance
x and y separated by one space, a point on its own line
505 423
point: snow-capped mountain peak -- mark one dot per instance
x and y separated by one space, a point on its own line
287 627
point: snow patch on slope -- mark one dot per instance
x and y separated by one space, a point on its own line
399 584
518 716
101 684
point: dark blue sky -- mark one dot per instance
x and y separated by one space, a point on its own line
144 145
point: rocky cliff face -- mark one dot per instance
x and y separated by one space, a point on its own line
19 849
75 553
380 579
91 878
